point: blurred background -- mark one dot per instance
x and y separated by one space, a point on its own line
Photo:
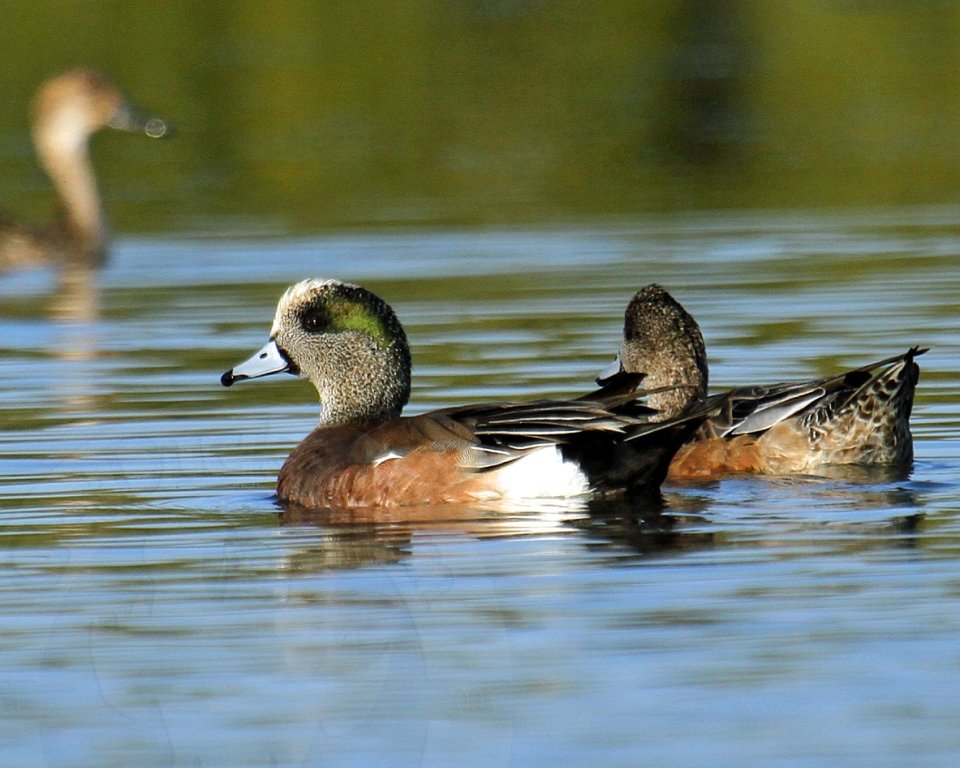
298 117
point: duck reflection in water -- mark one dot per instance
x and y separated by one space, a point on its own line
843 516
359 537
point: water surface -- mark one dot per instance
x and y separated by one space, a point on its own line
157 607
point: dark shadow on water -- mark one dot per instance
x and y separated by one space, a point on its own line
648 526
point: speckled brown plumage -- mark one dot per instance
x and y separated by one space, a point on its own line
861 416
661 339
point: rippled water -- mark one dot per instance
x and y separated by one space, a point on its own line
157 607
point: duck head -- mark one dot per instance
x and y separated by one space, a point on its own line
73 106
662 341
343 339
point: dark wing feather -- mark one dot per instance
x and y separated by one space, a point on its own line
503 432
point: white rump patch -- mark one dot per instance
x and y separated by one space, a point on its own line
543 474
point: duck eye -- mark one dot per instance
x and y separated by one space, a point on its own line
314 322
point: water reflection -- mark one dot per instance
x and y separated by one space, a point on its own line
843 516
75 307
657 527
358 537
76 301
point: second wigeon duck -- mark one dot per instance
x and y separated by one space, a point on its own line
861 416
350 345
67 111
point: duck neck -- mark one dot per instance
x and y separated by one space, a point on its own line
684 379
68 165
673 401
361 402
333 414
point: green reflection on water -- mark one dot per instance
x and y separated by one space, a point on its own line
305 115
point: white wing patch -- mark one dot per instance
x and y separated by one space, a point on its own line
543 474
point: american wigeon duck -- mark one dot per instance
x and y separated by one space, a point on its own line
350 345
67 111
861 416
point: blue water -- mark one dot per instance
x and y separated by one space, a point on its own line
158 608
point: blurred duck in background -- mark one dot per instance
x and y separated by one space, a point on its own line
861 416
67 111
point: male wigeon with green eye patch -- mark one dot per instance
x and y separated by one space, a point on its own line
350 345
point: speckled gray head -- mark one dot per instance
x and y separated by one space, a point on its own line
346 341
663 341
